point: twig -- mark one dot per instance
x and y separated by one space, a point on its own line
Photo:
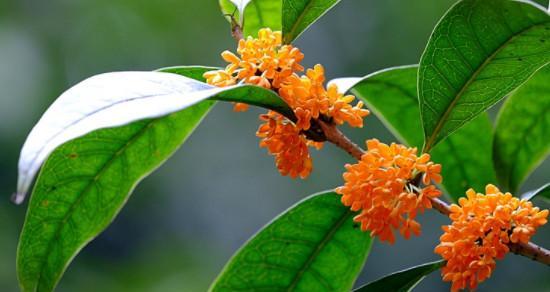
336 137
441 206
237 32
236 28
532 251
333 135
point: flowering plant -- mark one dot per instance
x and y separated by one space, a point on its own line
101 137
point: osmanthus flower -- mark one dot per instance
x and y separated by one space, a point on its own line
266 62
384 187
482 227
284 140
263 61
309 99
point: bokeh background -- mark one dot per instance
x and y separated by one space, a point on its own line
185 221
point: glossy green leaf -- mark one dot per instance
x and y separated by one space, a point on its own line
298 15
479 52
313 246
543 3
258 14
84 184
402 281
522 134
543 191
465 157
120 98
391 95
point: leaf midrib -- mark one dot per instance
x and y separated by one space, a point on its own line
429 143
292 31
324 241
104 168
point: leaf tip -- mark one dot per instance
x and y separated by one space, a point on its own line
18 197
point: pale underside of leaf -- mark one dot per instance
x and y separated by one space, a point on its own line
543 191
241 6
103 101
85 182
115 99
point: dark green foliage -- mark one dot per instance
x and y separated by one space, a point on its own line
313 246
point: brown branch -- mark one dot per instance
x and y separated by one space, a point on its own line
237 32
441 206
336 137
532 251
236 28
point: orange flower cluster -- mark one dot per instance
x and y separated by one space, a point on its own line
482 227
290 148
309 99
266 62
382 186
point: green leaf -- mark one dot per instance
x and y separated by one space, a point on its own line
84 184
257 15
522 131
313 246
298 15
119 98
480 51
402 281
391 95
465 157
86 181
543 191
104 101
194 72
543 3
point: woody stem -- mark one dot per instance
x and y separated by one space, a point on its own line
336 137
237 32
532 251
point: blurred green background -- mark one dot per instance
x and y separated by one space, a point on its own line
186 220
